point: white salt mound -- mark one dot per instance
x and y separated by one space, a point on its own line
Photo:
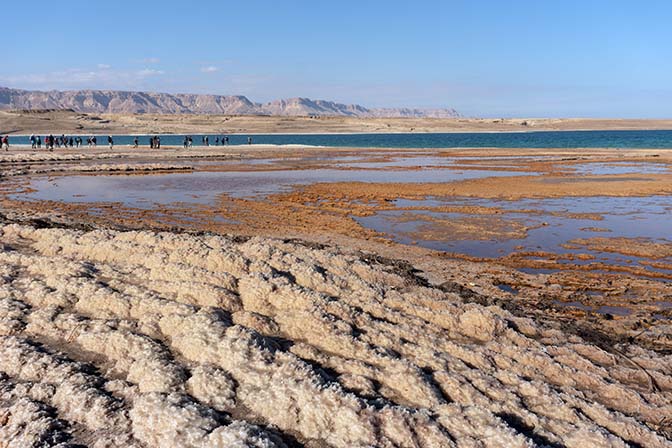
141 339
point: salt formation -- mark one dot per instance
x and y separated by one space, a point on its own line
140 339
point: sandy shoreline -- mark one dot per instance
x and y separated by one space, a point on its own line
278 320
67 122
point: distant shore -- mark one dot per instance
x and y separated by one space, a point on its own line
69 122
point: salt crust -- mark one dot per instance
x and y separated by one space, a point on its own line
160 339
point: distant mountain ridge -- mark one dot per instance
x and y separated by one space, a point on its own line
113 101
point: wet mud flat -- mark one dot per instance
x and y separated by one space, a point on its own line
618 231
536 211
541 316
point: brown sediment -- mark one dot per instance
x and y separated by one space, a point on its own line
326 209
511 188
594 229
324 212
466 228
549 261
277 214
640 247
657 264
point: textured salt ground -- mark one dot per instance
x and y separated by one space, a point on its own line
163 339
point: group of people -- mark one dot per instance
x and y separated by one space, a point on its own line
154 142
51 142
205 141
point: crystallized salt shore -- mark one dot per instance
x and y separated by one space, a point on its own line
140 339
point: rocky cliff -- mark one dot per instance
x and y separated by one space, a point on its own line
108 101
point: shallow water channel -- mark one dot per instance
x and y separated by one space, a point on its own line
203 187
500 228
548 225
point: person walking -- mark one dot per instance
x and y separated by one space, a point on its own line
135 142
33 141
39 142
249 140
5 142
110 141
185 143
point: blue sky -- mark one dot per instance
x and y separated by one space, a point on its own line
485 58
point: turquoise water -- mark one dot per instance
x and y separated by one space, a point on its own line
555 139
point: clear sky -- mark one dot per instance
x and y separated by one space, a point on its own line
590 58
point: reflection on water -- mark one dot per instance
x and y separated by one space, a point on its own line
571 180
396 162
506 227
203 187
551 224
607 169
507 288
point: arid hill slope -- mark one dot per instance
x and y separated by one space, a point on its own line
123 102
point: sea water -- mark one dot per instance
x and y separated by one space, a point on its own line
659 139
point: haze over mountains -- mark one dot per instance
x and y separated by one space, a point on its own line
122 102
